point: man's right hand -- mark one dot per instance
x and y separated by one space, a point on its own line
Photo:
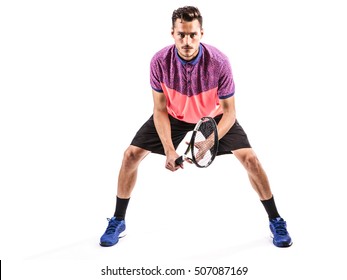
170 161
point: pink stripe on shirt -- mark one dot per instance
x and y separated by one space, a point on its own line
191 109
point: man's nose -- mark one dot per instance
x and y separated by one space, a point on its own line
187 40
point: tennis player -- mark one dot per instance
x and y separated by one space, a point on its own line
190 80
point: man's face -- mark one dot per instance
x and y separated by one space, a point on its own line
187 36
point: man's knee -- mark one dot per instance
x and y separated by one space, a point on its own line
133 156
250 161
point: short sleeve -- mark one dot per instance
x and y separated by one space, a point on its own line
226 86
155 74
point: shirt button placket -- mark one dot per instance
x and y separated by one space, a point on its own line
189 78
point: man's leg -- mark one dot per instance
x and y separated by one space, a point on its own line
260 184
128 172
126 183
256 173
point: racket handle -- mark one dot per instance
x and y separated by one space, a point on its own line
179 160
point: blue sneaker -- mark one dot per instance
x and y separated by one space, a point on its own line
281 237
112 233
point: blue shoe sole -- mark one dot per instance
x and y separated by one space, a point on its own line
283 245
104 244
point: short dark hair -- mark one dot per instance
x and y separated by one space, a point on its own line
186 13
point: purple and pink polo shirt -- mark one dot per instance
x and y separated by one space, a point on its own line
192 88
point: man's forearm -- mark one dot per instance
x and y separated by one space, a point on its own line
163 127
226 122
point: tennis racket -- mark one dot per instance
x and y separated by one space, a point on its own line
203 144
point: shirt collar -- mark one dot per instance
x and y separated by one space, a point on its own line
191 62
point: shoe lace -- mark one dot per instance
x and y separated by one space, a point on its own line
280 227
111 226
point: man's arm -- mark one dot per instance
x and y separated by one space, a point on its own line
162 125
229 116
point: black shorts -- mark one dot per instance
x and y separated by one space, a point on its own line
147 137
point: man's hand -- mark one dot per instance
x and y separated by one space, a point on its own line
203 147
170 161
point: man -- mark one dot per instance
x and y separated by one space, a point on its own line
190 80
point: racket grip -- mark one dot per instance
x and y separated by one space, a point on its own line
179 160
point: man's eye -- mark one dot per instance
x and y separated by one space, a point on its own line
192 35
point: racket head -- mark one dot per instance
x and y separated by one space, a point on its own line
204 142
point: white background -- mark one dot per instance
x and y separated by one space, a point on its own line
74 84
